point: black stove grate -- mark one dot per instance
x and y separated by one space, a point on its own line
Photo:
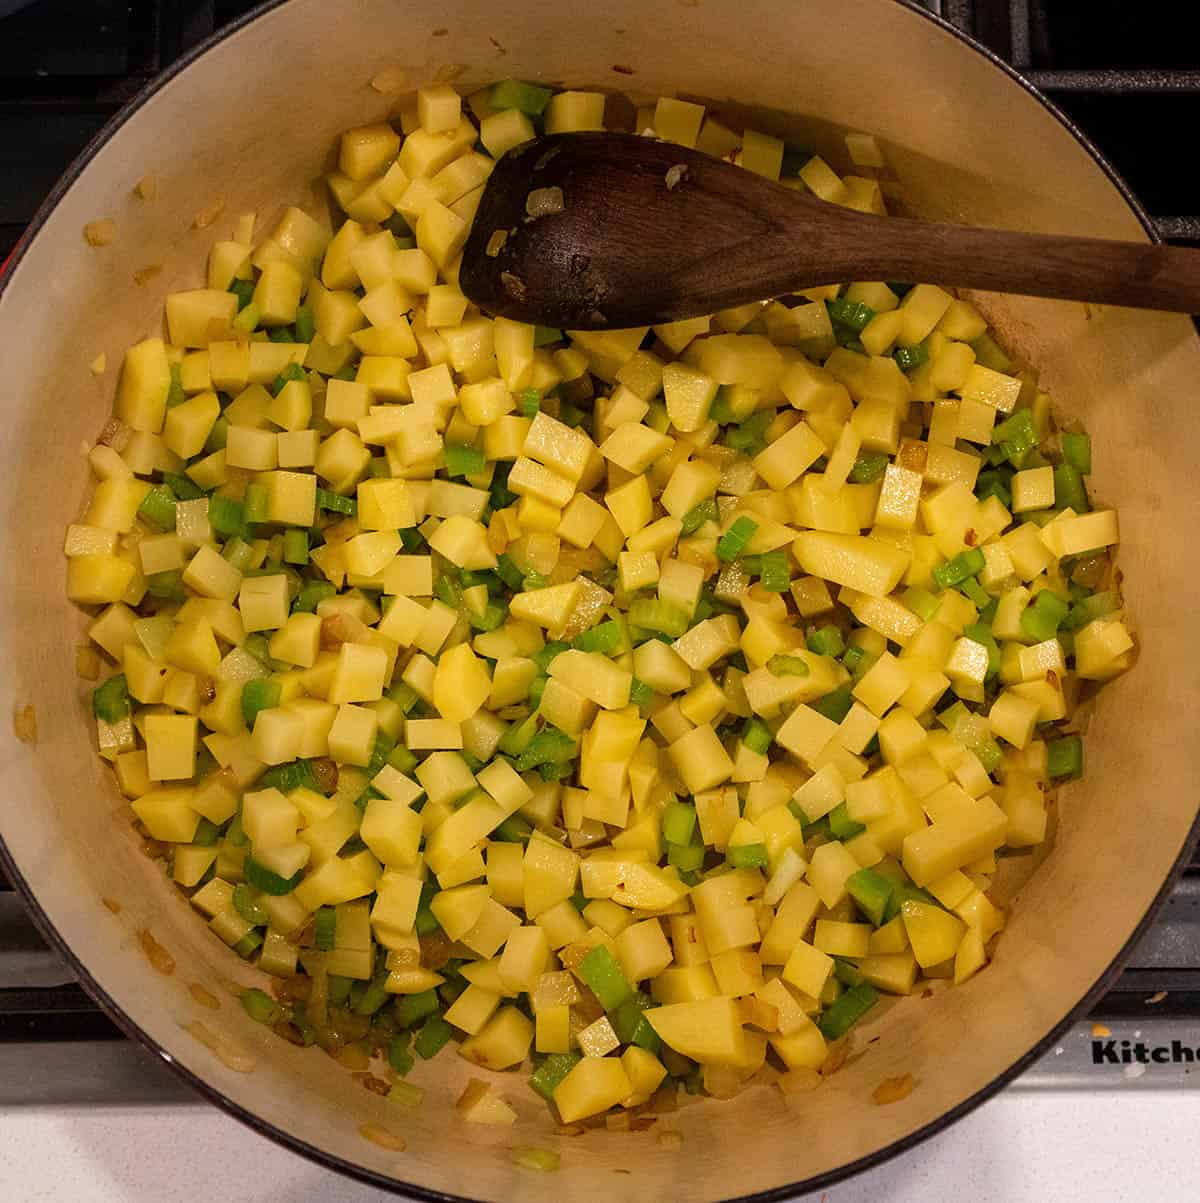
1126 83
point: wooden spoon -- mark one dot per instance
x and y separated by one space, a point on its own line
592 231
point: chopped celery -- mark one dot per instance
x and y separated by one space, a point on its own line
640 693
605 637
749 437
255 502
547 652
336 503
226 515
464 461
908 359
631 1025
293 371
534 580
110 701
1064 757
400 1058
976 592
1069 489
549 746
547 1077
1041 619
854 315
167 585
868 468
982 634
826 641
295 546
955 571
324 925
720 410
662 617
841 825
839 1018
871 892
243 290
434 1035
259 695
1077 451
494 615
261 1007
281 334
836 705
733 542
158 508
508 572
545 335
401 759
183 487
411 538
311 594
517 738
207 833
603 976
756 735
380 751
903 892
410 1009
249 944
175 394
747 856
529 402
528 98
995 482
248 906
687 858
373 996
788 666
678 822
773 572
698 515
306 327
266 881
514 830
1088 609
1016 436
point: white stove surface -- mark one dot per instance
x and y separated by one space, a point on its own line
1039 1146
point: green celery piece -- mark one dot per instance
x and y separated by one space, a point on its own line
447 589
183 487
226 515
259 695
514 830
410 1009
604 977
110 701
756 735
175 394
247 318
995 482
773 572
340 989
426 922
839 1018
1016 436
268 882
399 1056
537 687
903 892
640 694
1041 619
217 436
311 594
306 326
678 822
1089 609
908 359
976 592
167 585
293 371
605 637
854 315
247 906
255 502
494 615
954 572
989 754
434 1035
545 335
1064 757
836 705
687 858
749 437
1077 451
699 514
734 541
847 972
868 468
871 891
546 1078
401 759
464 461
243 290
546 654
548 746
826 641
530 99
207 834
788 666
517 738
1069 489
336 503
380 751
282 334
261 1007
324 926
631 1025
747 856
373 996
295 546
841 825
239 553
249 944
158 508
508 572
658 616
534 580
411 538
720 410
529 402
404 695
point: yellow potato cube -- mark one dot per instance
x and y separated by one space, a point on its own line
789 456
210 575
569 112
631 505
700 759
170 746
197 317
360 674
689 394
263 602
352 735
1033 489
366 150
167 814
707 1030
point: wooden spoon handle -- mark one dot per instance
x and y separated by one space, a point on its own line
1144 275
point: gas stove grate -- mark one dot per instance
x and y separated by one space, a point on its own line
1126 84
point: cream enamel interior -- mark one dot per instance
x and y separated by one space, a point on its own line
251 123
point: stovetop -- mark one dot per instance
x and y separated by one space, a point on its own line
1125 81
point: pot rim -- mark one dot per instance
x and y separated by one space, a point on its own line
354 1170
